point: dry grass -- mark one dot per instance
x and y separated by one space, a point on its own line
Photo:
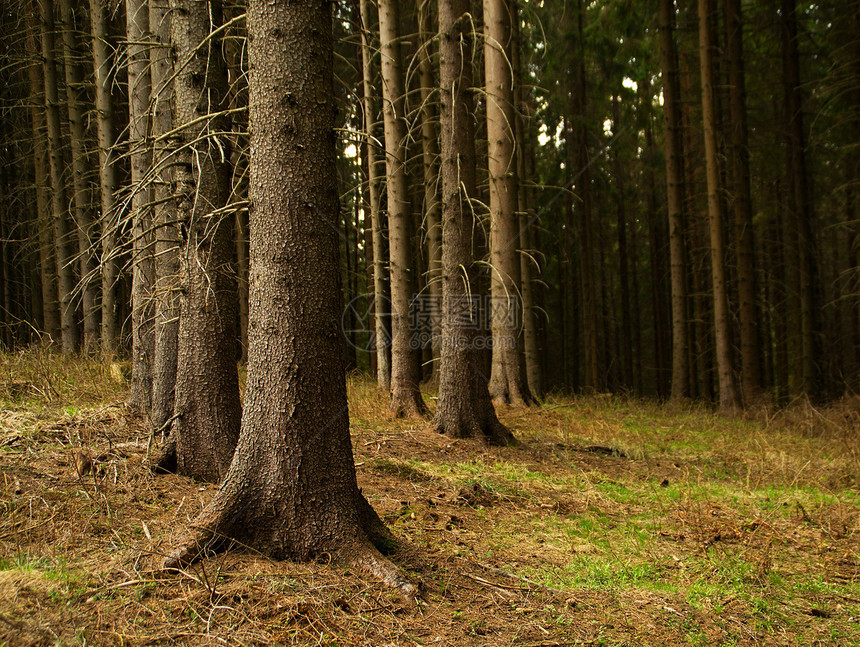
613 522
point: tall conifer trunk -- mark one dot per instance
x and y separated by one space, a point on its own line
108 182
140 154
81 198
291 490
729 401
167 239
206 405
405 367
751 381
676 200
377 218
464 408
507 377
63 250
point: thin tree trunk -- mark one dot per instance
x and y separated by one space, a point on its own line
464 408
507 377
82 197
167 239
378 225
108 182
139 90
729 400
432 206
64 253
405 367
48 267
627 348
802 208
675 200
291 490
592 379
526 217
751 382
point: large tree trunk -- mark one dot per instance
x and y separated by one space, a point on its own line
377 218
291 490
751 382
507 376
464 408
167 240
64 253
82 198
430 155
207 405
405 366
729 401
139 87
675 199
108 182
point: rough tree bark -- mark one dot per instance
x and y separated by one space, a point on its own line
291 490
63 251
377 218
464 407
108 182
729 400
206 407
405 364
507 376
675 200
140 154
167 240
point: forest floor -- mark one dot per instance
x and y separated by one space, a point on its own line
614 521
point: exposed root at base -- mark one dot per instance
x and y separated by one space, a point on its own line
357 552
165 461
365 557
494 432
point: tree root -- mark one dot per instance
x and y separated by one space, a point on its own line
363 551
362 555
165 461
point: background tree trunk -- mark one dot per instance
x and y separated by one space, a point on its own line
729 401
751 381
382 303
140 154
167 240
675 200
108 182
63 251
464 407
405 367
48 271
430 159
507 377
82 197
